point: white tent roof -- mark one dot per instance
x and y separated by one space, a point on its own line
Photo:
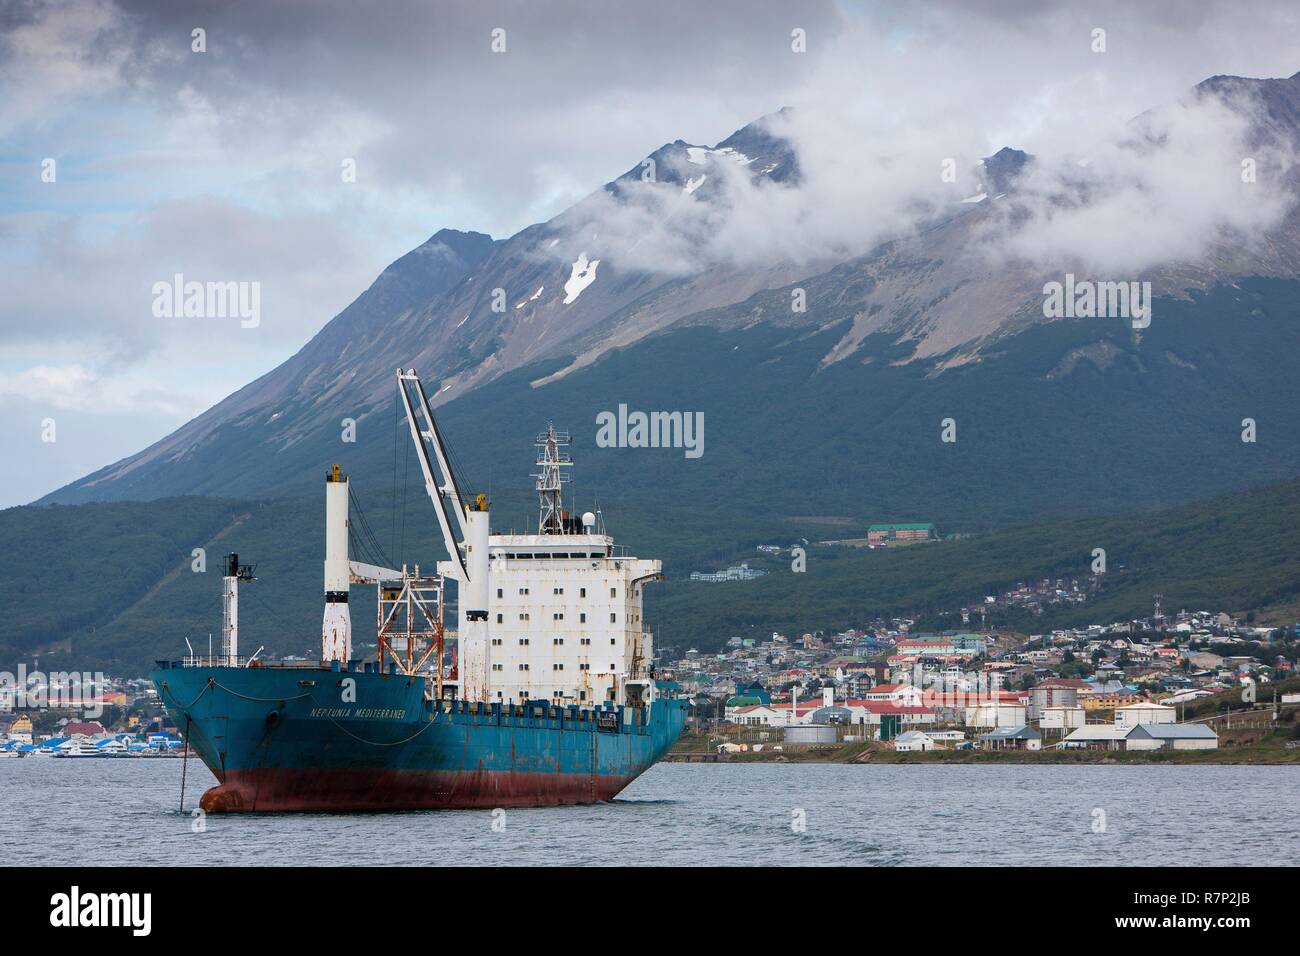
1099 732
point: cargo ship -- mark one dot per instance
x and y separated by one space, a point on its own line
545 694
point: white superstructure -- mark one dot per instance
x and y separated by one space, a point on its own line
565 620
555 616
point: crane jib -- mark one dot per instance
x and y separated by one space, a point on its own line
435 490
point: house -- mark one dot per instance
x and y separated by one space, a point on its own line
871 713
21 730
86 728
1185 697
1012 738
1109 699
913 741
762 715
1171 737
753 689
879 534
928 647
901 695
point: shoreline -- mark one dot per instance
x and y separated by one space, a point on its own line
1272 752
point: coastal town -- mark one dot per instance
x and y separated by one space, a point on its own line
1192 680
51 716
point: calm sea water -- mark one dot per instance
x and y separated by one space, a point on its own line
115 812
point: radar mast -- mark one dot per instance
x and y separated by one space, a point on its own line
552 459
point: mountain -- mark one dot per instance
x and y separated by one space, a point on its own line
818 422
466 310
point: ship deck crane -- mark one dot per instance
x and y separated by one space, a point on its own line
464 522
448 502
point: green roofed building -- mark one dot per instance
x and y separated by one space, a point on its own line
885 533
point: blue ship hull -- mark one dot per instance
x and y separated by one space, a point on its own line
281 738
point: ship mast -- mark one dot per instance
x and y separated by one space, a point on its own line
552 459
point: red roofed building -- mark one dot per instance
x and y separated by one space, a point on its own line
88 728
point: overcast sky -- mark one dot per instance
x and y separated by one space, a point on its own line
226 164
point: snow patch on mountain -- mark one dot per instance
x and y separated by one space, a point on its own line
531 298
583 274
733 154
699 155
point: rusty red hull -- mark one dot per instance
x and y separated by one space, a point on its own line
272 790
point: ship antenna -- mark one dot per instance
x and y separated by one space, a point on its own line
552 459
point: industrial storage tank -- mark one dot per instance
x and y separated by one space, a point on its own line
812 734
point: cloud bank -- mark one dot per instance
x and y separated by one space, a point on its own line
226 164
